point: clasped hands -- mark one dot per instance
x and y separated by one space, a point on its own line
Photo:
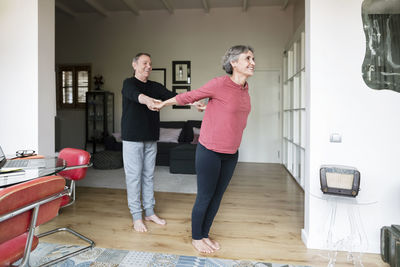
157 105
153 104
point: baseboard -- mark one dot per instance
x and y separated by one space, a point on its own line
304 237
373 247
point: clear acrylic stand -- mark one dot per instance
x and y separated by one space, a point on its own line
356 241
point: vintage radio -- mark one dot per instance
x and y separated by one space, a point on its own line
340 180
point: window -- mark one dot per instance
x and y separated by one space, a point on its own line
73 81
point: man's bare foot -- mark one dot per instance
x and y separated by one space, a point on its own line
156 219
201 246
212 243
139 226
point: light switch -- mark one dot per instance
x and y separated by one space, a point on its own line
336 138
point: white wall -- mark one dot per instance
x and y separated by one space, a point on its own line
298 13
27 83
46 77
109 44
340 102
71 128
21 75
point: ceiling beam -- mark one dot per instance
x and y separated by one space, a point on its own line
205 6
96 6
131 4
66 9
245 5
168 6
285 4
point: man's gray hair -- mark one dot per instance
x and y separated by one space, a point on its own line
233 55
138 55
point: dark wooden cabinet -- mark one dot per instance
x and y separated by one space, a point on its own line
99 116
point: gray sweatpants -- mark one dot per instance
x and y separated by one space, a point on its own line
139 163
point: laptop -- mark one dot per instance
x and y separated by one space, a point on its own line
20 164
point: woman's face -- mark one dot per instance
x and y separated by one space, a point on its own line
245 64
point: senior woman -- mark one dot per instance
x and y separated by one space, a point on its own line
221 133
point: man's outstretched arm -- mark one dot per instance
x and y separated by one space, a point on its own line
149 102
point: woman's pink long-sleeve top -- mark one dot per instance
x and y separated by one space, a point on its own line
226 114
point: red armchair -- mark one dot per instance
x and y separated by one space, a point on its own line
25 206
80 159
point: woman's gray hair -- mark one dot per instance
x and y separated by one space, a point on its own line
232 55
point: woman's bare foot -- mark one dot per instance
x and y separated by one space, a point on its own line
139 226
201 246
156 219
212 243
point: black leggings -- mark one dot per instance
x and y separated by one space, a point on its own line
214 172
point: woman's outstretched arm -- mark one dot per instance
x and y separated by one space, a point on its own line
172 101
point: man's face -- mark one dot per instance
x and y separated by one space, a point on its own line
142 67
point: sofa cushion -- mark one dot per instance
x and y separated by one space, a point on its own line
195 139
117 137
175 125
196 130
169 135
189 135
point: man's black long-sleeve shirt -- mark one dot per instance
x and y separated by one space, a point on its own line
138 123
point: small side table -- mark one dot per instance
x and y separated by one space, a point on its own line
356 240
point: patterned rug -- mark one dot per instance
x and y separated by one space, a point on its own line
101 257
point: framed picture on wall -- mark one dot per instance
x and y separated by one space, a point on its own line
159 75
181 72
179 90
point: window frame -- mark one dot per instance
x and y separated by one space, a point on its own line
75 68
295 107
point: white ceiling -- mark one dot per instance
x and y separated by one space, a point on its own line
106 8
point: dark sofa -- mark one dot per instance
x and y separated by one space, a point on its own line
186 137
164 149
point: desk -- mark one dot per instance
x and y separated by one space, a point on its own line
53 166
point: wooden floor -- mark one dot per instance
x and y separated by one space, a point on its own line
260 218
